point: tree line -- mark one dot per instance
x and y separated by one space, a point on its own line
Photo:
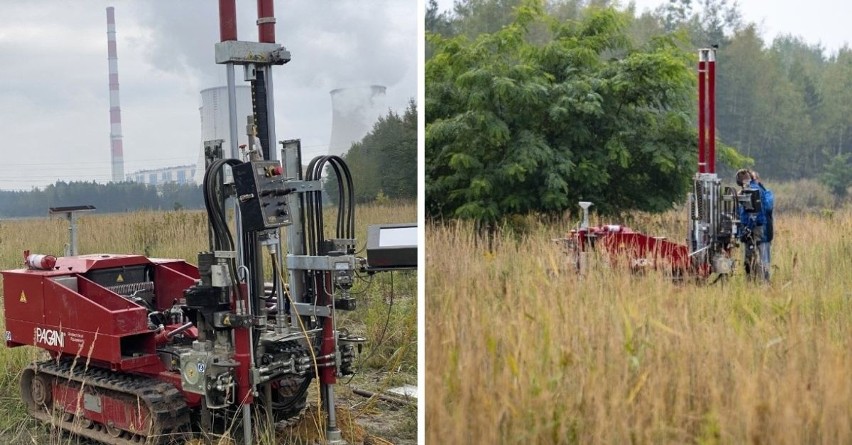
107 198
532 105
383 166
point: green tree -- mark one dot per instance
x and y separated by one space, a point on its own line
835 114
514 127
838 175
437 22
385 160
709 22
474 17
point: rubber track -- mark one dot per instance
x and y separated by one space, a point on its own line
165 402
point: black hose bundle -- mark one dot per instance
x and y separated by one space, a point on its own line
314 222
214 196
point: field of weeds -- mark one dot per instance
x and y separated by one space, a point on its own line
387 312
522 350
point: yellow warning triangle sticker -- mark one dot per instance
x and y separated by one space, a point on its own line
120 279
23 298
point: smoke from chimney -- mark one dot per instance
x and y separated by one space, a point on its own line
353 113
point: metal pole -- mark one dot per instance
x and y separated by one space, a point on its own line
246 424
702 163
72 221
270 113
265 21
333 435
227 20
232 111
292 162
711 110
228 32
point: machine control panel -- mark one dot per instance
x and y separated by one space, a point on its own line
262 194
392 246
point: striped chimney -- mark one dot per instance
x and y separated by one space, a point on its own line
116 148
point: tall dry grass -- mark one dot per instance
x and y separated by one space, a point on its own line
172 234
521 350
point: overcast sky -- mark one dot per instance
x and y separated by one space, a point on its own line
823 22
817 21
54 94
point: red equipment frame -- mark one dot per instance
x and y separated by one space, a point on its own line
644 250
64 312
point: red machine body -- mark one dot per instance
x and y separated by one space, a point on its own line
640 251
76 308
92 314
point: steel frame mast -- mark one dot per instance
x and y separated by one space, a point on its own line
257 58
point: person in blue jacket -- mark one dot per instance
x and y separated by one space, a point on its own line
756 221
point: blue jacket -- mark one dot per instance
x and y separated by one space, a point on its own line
762 217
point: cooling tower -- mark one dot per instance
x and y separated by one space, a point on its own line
353 113
215 123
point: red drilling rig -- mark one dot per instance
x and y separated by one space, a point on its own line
713 221
146 350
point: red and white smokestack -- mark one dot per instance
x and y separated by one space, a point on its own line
116 148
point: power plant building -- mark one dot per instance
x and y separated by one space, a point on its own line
215 123
354 112
182 174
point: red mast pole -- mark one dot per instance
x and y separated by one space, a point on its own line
711 110
265 21
702 137
227 20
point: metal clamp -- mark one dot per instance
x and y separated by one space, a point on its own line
307 262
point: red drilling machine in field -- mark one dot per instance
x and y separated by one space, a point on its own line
145 350
713 220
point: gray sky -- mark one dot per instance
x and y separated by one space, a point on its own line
816 21
54 95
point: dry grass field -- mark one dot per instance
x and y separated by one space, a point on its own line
390 359
521 350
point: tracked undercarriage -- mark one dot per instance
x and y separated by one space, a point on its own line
109 407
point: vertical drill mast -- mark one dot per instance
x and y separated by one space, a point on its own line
310 267
711 224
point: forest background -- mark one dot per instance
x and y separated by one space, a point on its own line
533 105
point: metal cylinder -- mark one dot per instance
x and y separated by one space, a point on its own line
40 262
265 21
702 70
711 111
227 20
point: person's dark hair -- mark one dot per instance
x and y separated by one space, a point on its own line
743 177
